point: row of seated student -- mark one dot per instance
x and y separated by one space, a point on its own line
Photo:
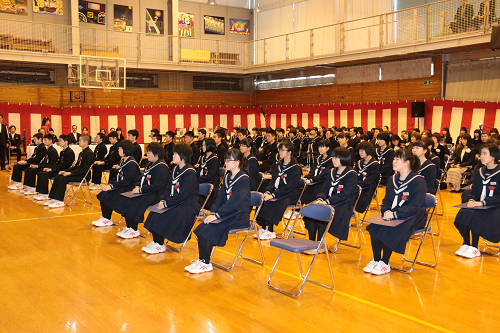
405 194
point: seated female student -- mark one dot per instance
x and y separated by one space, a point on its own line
368 170
340 191
427 168
385 156
181 199
439 150
251 164
318 172
404 198
230 211
208 169
396 142
151 185
284 181
475 223
429 143
463 159
344 140
128 174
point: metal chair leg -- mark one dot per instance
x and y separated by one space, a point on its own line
493 246
356 245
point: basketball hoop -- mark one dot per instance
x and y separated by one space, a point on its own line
106 85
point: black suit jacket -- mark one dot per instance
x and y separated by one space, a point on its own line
72 139
467 13
100 151
3 136
15 140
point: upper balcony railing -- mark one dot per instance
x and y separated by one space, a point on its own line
418 25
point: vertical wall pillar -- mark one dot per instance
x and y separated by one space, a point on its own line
75 28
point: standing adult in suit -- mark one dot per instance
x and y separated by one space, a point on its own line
4 142
74 136
15 142
463 17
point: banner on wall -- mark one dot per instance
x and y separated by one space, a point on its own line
92 12
186 25
214 25
122 18
19 7
154 21
240 27
54 7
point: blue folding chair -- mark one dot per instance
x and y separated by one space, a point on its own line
323 213
222 173
205 190
294 206
261 174
373 198
430 204
357 225
256 201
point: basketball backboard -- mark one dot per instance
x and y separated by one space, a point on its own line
102 72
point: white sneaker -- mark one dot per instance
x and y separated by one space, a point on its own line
102 222
50 202
194 263
266 235
201 267
154 248
96 187
260 233
30 191
369 267
381 268
124 231
461 250
131 233
471 252
41 197
57 204
16 186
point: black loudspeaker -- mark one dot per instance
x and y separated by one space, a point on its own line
418 109
495 37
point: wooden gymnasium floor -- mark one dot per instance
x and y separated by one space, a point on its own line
58 273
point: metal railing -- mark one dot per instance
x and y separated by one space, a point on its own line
418 25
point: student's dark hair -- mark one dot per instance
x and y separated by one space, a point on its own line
437 136
155 131
494 130
39 136
237 155
468 138
211 145
219 134
133 132
301 130
486 133
113 134
293 131
325 143
272 132
463 129
86 137
112 129
477 131
51 129
364 137
279 130
384 136
102 136
12 126
157 149
421 143
359 130
247 142
406 155
170 134
243 131
127 146
85 128
48 136
256 129
190 134
288 146
493 149
428 143
202 131
102 129
396 137
370 135
184 151
158 137
44 121
343 154
416 130
314 129
237 128
416 135
64 137
367 147
344 136
119 129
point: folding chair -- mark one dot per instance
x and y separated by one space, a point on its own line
261 180
357 224
81 185
105 176
294 207
430 204
493 246
438 192
222 173
374 198
319 212
256 202
205 190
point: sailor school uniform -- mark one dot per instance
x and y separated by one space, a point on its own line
405 198
208 172
339 191
127 176
428 171
284 182
151 185
317 174
486 189
368 178
181 197
385 159
252 170
233 203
